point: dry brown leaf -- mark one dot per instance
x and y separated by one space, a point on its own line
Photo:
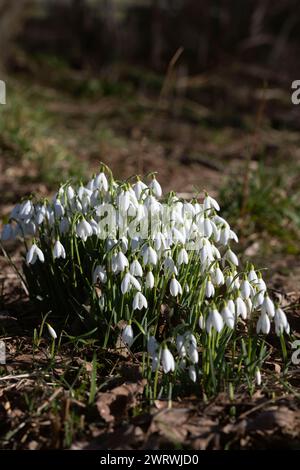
114 405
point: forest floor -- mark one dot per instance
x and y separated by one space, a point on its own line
232 136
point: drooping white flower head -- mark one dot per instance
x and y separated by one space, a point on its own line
156 188
258 377
129 282
52 332
150 281
210 203
139 301
84 230
231 257
99 274
128 335
150 256
245 289
228 317
100 182
183 257
191 347
209 289
59 210
119 262
136 268
152 346
192 373
59 250
33 254
167 360
139 188
263 324
175 287
7 232
180 345
241 308
268 307
281 323
214 320
218 276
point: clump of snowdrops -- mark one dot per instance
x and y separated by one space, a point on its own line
153 273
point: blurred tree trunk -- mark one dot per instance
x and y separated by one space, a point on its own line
12 16
157 35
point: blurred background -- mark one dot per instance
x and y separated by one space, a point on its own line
197 90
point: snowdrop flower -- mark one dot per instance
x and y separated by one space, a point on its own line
101 183
156 188
231 306
127 335
245 289
268 307
95 227
249 306
209 289
99 274
58 250
120 262
207 228
229 282
128 282
180 345
167 360
149 280
214 320
281 323
260 283
152 345
63 225
40 214
191 346
59 210
139 301
224 235
258 299
175 287
84 230
192 373
33 254
201 322
218 277
136 269
150 256
25 210
252 276
263 324
152 205
124 201
228 317
52 332
169 266
29 228
7 232
233 236
231 257
182 257
258 377
205 252
70 193
155 362
139 187
241 308
210 203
